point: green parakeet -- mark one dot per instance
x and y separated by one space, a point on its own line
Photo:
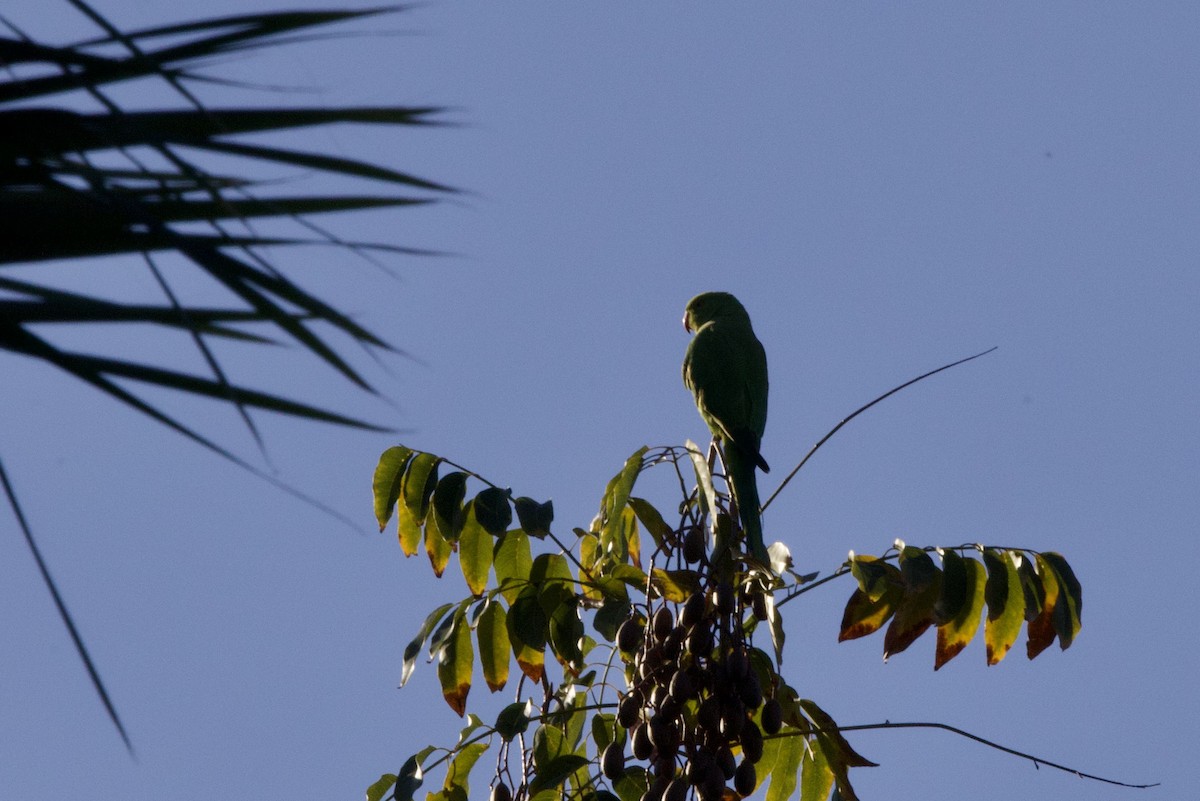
726 370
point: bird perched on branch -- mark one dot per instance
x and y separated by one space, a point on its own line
726 370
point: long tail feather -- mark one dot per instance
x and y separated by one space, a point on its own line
739 467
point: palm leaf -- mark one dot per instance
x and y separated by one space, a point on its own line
133 181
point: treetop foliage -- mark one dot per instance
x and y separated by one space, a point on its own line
667 638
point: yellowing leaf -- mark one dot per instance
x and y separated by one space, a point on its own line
528 630
1042 631
1005 602
915 610
494 645
864 616
914 615
455 663
531 661
1069 612
408 530
954 634
436 546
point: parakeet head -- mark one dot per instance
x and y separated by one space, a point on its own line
709 306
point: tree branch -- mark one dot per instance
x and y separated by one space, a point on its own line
1036 760
859 411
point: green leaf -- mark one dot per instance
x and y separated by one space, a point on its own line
552 575
675 585
874 575
448 504
444 629
816 777
386 782
633 785
954 634
653 522
591 559
475 551
575 709
1005 601
494 645
610 616
1031 584
917 569
455 664
955 590
704 482
566 632
630 576
828 728
414 647
474 724
528 623
513 563
514 719
386 484
616 495
419 480
493 511
556 771
535 518
460 768
548 745
786 769
775 626
603 726
411 775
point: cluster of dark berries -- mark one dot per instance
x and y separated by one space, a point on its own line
693 693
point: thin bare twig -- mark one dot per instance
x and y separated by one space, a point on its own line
1036 760
862 409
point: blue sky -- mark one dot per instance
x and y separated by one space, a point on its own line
886 187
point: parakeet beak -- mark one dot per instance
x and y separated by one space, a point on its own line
686 327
